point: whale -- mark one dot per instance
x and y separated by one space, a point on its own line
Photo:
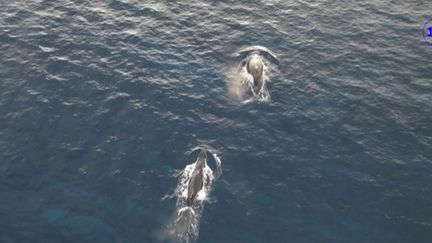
196 181
254 67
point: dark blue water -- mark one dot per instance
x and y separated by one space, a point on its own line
100 100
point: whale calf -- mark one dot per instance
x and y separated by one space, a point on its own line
255 67
196 181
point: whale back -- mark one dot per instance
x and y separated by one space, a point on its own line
197 180
255 68
202 156
195 185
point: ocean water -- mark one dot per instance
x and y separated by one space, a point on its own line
101 100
